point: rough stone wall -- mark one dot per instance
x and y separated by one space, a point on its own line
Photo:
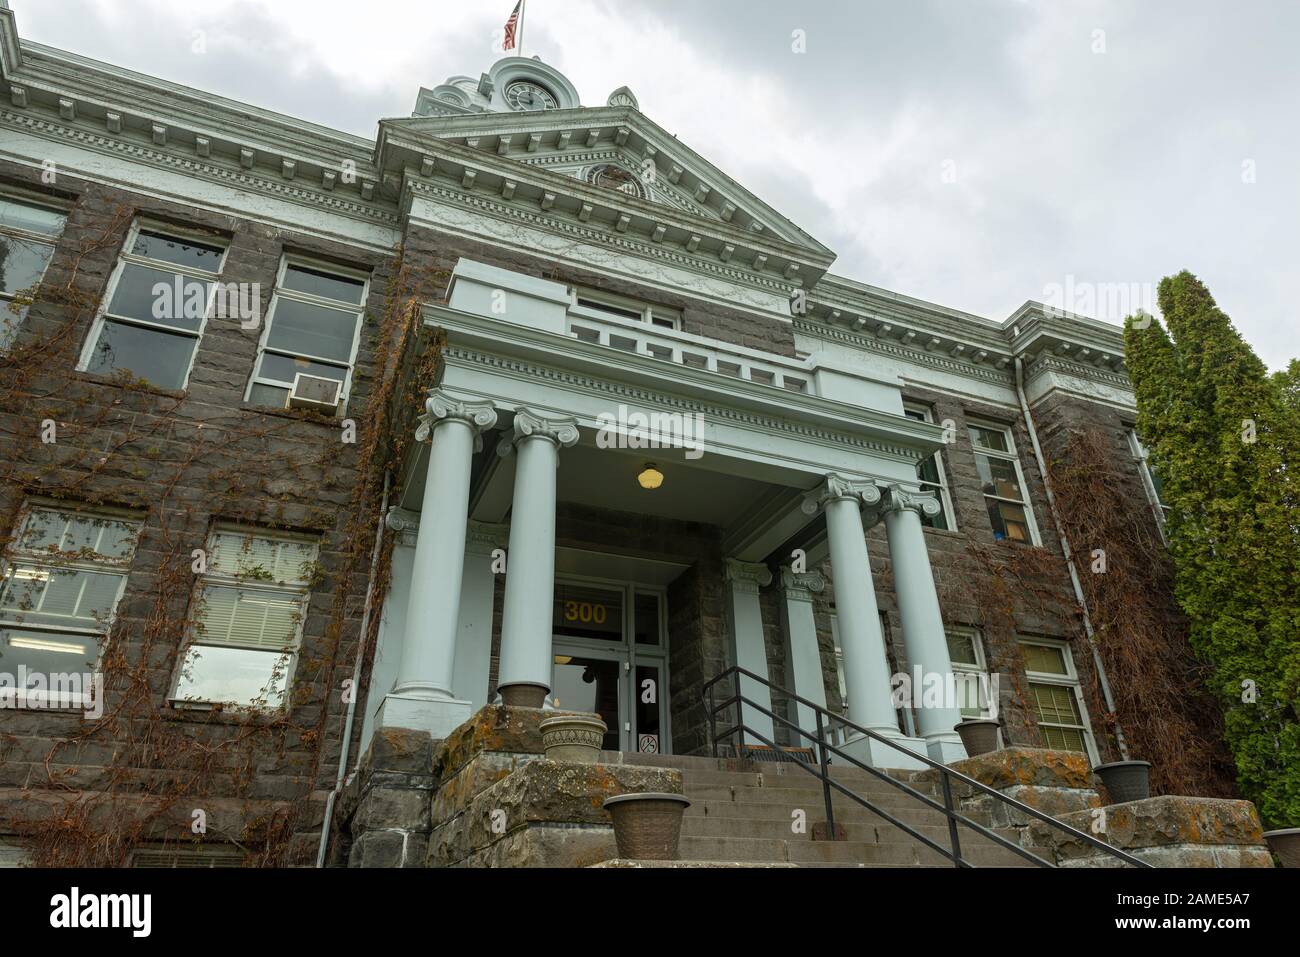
135 447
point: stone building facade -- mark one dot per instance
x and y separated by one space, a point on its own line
277 523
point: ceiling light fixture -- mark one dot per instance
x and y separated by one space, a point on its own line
650 477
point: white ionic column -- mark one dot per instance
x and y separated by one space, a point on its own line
802 650
866 665
923 634
484 546
526 658
745 624
422 696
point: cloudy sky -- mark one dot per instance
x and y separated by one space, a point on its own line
974 153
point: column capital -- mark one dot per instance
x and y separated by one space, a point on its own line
404 523
746 576
837 488
562 431
923 503
440 408
801 585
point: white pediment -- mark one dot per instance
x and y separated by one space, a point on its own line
620 148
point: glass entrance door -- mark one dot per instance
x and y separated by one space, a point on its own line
591 684
611 657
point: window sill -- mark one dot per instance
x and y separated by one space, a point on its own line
299 415
209 712
20 703
137 385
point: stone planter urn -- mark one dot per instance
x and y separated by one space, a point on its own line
573 736
1286 845
978 735
1126 780
647 826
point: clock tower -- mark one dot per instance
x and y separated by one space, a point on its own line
513 85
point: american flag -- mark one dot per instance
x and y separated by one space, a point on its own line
512 25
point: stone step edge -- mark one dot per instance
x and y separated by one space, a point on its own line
624 862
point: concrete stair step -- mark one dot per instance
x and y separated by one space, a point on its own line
911 815
825 852
778 829
798 797
862 831
803 781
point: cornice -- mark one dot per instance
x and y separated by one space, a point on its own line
994 373
512 216
848 432
592 385
229 175
105 85
1047 362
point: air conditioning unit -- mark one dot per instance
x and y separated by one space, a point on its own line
314 392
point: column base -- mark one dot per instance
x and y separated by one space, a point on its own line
945 748
438 716
523 695
878 755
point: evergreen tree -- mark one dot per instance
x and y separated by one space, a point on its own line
1224 437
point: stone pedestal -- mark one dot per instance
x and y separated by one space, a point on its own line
383 813
1165 831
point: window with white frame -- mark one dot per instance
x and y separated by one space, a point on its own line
966 652
1151 481
603 304
28 231
313 327
1056 696
157 306
1003 483
64 573
931 476
246 622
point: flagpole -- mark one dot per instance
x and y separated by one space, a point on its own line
523 9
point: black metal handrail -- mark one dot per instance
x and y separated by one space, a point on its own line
823 746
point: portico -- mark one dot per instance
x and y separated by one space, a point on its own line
785 475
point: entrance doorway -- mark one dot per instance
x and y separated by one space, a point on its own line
610 643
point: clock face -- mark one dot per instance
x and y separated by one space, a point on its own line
525 95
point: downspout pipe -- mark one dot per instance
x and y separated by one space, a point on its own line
1069 556
356 680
